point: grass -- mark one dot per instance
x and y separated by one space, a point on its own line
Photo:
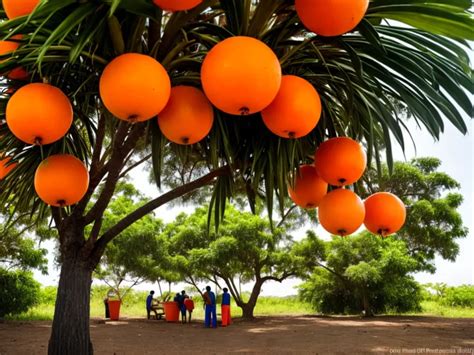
433 308
134 306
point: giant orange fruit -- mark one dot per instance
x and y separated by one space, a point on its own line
5 167
331 17
135 87
340 161
341 212
39 114
177 5
61 180
17 8
296 109
309 188
385 213
241 75
188 116
7 47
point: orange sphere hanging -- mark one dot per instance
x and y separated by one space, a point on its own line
10 46
5 167
241 75
188 116
385 213
331 17
177 5
39 114
341 212
309 189
61 180
296 110
135 87
340 161
17 8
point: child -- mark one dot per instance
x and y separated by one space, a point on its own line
189 304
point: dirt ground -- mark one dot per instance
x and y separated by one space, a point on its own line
266 335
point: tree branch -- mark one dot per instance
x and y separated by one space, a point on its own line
154 204
134 165
286 215
120 150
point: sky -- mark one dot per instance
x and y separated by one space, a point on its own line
456 152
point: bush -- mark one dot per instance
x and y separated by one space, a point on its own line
18 292
462 296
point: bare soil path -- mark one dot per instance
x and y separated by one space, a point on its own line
267 335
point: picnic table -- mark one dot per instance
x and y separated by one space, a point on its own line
157 308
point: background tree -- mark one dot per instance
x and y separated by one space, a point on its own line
20 243
133 256
243 250
18 291
67 43
364 272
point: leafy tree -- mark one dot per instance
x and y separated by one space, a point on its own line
67 43
433 222
132 256
18 291
17 250
364 272
243 250
356 276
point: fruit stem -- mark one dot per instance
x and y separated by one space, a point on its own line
342 232
132 118
244 111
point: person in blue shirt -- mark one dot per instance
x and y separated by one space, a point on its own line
225 308
182 308
149 301
210 301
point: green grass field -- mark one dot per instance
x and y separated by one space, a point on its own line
133 306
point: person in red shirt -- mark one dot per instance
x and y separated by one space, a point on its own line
189 304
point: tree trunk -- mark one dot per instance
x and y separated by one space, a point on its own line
70 333
248 308
366 304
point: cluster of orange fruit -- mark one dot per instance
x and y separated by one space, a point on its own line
339 162
240 76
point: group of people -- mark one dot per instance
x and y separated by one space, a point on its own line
210 317
186 307
185 304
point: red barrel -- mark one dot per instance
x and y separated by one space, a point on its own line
114 309
171 311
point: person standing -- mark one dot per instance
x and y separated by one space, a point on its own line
149 301
182 306
189 304
225 308
210 301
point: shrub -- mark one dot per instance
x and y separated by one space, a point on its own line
462 296
18 292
